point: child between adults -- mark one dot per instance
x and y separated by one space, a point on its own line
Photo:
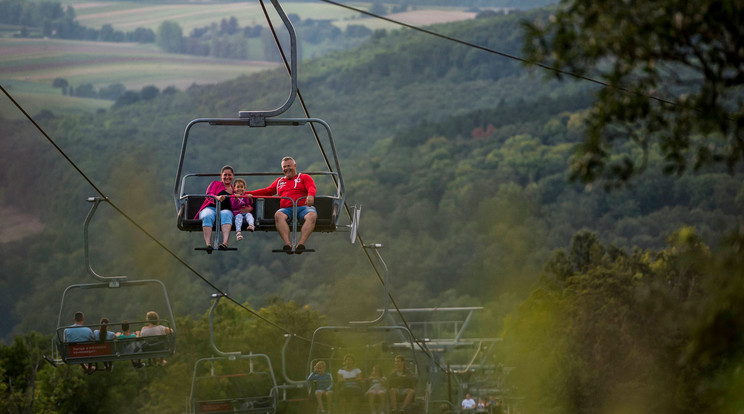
241 207
377 389
103 334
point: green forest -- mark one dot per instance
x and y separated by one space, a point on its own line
607 296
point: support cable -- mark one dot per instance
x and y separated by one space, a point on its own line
138 226
506 55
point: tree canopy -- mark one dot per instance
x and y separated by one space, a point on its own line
674 70
647 331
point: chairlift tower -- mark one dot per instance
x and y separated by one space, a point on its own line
468 361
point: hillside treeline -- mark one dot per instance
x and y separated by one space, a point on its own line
225 39
50 19
228 39
459 159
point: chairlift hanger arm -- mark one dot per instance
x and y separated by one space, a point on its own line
113 279
217 297
377 247
259 117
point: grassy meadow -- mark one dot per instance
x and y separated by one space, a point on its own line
104 63
35 97
29 66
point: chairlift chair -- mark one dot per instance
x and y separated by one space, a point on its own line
158 346
140 348
327 206
242 390
239 392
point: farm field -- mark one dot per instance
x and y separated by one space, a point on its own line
104 63
29 66
126 16
35 98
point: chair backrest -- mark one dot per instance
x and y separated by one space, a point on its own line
189 207
157 346
327 208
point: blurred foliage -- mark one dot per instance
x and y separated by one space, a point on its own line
31 385
686 55
622 332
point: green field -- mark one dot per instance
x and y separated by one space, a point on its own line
30 66
35 97
103 63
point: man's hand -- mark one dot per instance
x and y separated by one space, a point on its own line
310 201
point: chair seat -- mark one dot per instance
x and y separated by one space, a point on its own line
327 208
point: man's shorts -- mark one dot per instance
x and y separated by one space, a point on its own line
301 211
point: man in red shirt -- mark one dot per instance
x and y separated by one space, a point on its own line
294 186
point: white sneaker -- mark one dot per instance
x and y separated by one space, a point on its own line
239 235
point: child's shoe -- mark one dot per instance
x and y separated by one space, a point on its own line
239 236
251 228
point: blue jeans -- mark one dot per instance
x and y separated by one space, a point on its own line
209 214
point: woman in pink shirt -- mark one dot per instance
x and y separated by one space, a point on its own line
222 190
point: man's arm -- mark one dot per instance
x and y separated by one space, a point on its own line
309 184
268 191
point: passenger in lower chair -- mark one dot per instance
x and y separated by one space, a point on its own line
322 382
102 334
349 384
377 390
79 333
402 383
131 347
154 328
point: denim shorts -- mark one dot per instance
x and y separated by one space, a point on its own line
208 215
301 211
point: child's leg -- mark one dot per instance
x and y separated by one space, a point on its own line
239 221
